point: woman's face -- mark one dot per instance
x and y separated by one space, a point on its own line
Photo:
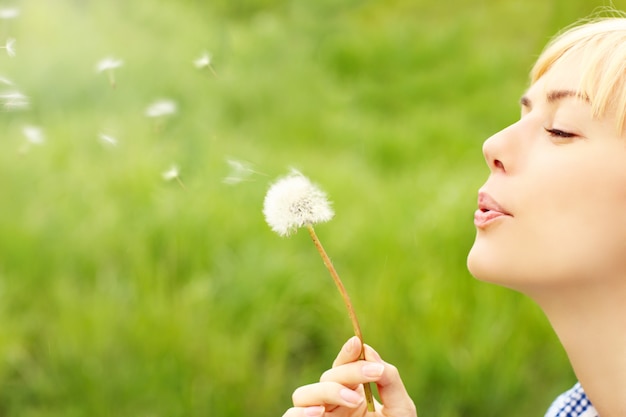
553 209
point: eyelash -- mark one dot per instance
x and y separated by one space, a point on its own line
560 133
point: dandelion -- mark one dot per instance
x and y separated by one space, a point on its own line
293 202
204 62
10 47
109 65
173 174
7 13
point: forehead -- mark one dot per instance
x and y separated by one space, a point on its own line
564 75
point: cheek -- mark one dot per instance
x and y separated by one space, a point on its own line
579 229
576 193
591 227
588 205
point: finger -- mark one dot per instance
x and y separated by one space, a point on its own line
328 393
354 373
393 394
314 411
349 352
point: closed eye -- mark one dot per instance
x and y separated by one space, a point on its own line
560 133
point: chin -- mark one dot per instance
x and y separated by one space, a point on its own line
486 264
503 269
476 266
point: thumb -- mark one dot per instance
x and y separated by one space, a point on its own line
349 352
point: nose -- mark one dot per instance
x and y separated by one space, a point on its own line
490 152
499 150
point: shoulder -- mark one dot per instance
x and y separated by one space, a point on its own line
572 403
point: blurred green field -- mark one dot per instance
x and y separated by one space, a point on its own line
124 294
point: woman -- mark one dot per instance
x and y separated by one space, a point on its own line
551 223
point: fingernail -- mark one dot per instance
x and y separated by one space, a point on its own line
350 396
373 370
351 344
374 355
316 411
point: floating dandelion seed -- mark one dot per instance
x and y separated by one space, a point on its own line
204 62
7 13
16 105
14 100
34 135
173 174
293 202
107 139
13 95
10 47
109 65
239 171
5 81
161 109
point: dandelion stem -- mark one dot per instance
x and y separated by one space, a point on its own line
213 71
344 294
180 182
111 78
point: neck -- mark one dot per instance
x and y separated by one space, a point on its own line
590 321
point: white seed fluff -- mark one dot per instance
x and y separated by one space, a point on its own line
161 108
108 63
293 202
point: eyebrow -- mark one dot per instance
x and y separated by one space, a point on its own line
556 95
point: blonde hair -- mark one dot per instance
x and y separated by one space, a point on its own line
602 43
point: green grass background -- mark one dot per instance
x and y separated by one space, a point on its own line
122 294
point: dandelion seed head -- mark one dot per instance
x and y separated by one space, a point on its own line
293 202
108 63
7 13
161 108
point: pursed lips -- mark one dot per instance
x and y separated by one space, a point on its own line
488 210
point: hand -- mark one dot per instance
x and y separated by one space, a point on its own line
340 391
